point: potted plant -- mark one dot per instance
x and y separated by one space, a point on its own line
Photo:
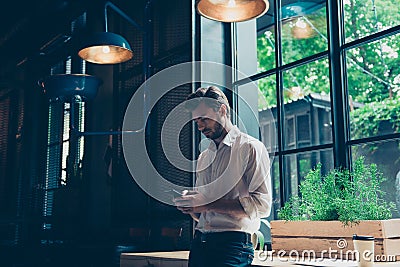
331 208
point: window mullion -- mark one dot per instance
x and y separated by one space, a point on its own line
338 92
285 185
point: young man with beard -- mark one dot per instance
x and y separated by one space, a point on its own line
233 187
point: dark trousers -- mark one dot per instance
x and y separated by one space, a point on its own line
221 249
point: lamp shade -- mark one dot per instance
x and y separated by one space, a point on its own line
232 10
65 86
106 48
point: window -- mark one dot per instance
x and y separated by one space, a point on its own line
60 165
294 80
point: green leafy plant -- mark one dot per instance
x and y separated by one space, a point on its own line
366 120
340 195
258 238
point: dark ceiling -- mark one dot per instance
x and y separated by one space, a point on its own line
15 13
25 26
29 29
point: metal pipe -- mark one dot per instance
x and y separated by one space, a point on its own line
146 62
120 12
107 133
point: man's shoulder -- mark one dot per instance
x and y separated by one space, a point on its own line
248 144
206 152
246 138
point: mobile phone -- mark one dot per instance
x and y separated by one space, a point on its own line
174 193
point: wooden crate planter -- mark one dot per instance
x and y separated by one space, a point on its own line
321 235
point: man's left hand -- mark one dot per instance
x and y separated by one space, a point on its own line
191 202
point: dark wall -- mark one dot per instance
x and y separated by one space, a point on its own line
106 212
171 44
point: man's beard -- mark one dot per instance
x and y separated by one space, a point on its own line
218 131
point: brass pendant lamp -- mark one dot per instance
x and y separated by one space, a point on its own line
232 10
107 47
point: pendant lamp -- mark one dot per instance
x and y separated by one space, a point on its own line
232 10
107 47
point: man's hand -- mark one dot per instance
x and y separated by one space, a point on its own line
191 202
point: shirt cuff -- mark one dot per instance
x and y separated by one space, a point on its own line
248 207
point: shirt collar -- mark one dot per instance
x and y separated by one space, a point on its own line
228 140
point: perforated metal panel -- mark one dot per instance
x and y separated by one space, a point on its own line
170 44
172 29
4 122
11 117
161 110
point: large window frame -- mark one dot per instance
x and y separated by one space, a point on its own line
336 54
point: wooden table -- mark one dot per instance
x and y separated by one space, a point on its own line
156 259
180 259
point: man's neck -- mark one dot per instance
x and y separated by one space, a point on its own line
226 130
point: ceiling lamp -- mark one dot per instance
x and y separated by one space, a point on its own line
107 47
67 86
232 10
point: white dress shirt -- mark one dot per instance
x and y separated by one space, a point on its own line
238 169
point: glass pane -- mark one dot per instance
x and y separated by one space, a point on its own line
267 112
386 155
298 165
373 79
304 30
262 124
362 18
267 91
307 105
266 40
266 51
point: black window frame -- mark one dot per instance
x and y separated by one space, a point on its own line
336 54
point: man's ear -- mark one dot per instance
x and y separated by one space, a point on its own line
222 109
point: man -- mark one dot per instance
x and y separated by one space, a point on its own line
233 188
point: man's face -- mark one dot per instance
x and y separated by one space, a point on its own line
209 121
